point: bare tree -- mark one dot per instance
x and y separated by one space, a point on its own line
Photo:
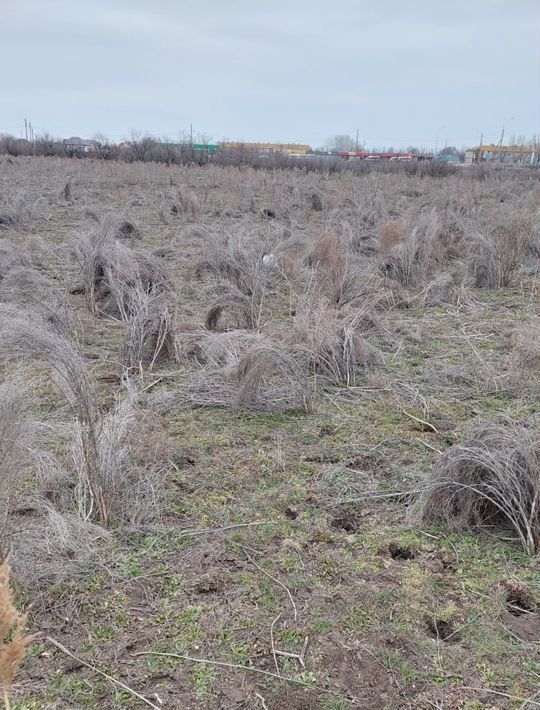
342 142
104 148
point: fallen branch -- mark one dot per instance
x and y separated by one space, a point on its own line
251 669
421 421
135 694
374 496
274 651
209 531
274 579
504 695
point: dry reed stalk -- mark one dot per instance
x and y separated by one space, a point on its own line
13 640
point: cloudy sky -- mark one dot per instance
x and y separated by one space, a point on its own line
400 71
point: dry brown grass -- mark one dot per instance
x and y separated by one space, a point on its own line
13 639
391 235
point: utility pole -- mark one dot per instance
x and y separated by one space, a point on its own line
191 134
357 131
25 129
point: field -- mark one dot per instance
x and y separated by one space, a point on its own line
269 438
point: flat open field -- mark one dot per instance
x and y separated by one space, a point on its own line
232 391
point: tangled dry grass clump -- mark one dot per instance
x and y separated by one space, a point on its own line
333 268
526 348
11 257
149 337
112 273
101 463
409 253
234 260
493 480
235 302
258 376
17 435
269 377
332 341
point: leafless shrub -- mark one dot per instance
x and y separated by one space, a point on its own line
441 288
19 209
534 242
50 543
524 360
89 253
9 220
126 273
526 346
26 338
114 488
492 480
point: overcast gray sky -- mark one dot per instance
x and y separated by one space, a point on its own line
277 70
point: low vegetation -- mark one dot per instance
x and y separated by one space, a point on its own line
268 436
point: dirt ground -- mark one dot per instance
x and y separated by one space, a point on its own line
287 567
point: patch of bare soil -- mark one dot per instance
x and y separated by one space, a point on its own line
289 699
526 626
359 676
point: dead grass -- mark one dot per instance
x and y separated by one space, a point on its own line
327 378
492 479
17 437
13 639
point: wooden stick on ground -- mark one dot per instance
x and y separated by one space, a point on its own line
250 669
135 694
421 421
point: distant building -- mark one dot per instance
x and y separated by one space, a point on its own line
509 154
377 155
446 158
79 145
286 148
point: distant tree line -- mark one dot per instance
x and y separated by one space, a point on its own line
145 148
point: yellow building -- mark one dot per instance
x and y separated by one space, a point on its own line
286 148
500 153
